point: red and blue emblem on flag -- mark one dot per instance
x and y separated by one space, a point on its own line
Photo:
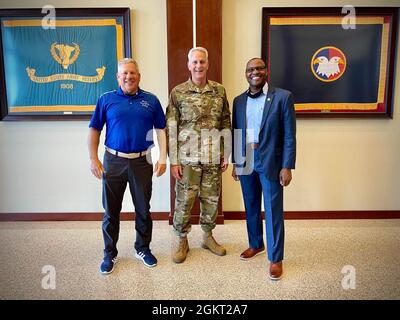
328 64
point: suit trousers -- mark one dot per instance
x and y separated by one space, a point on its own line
254 186
119 171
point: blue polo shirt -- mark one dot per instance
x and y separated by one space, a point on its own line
128 119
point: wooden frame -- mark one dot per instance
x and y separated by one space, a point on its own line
335 64
56 68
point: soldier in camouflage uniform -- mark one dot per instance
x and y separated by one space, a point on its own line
197 116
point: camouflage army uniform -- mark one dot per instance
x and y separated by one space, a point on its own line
190 113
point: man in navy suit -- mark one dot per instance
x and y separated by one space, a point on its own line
264 152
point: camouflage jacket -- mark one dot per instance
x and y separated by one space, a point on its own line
196 119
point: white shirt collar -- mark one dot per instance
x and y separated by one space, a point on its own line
265 88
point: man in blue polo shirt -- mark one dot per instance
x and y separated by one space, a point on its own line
129 114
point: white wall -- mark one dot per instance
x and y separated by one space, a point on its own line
44 166
343 164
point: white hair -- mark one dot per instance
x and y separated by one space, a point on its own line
200 49
127 61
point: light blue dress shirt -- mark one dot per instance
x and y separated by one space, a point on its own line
254 113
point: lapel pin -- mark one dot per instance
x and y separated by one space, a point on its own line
268 99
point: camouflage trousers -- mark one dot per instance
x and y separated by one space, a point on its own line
203 180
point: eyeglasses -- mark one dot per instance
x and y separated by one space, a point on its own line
250 70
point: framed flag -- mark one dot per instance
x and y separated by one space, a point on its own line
56 62
335 61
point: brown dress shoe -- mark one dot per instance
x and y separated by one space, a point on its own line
250 253
275 271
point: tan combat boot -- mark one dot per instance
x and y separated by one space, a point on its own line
181 249
212 245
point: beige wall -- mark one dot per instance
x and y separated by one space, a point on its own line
342 164
347 164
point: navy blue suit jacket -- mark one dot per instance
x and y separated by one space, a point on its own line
277 139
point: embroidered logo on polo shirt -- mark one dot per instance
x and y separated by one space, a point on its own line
144 103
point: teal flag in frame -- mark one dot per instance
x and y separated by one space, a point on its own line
61 70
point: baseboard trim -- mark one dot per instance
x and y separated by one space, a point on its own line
304 215
73 216
228 215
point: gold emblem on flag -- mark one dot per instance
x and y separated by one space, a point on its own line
64 58
64 53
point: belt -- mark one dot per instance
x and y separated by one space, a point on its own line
133 155
254 145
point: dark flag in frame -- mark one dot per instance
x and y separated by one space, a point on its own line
333 69
59 71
